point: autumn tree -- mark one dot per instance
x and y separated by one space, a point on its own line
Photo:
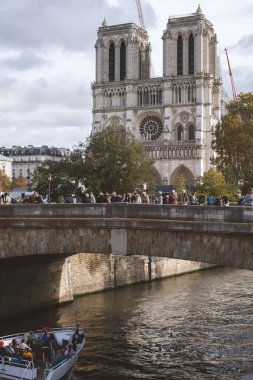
180 183
233 140
19 182
213 182
5 182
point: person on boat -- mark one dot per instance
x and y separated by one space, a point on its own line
69 352
78 337
23 346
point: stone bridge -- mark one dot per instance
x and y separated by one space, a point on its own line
216 235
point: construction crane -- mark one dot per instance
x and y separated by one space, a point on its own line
231 77
141 19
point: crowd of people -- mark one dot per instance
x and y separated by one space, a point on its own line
138 197
173 198
41 343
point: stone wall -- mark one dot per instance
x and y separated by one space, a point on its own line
28 285
96 272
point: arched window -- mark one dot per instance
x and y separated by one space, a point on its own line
111 63
191 54
140 64
191 132
180 133
122 61
179 55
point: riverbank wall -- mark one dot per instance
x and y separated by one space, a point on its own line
97 272
31 284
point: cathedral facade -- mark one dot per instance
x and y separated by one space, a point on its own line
173 115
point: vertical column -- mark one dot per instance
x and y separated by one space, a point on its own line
129 59
165 55
185 55
117 63
199 51
206 53
105 64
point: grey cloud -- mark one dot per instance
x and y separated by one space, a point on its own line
243 78
25 60
6 82
244 45
71 24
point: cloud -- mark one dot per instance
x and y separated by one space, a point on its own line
23 60
244 45
69 24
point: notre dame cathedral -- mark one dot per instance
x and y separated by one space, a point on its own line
173 115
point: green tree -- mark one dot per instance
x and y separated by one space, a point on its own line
213 182
114 160
233 141
5 183
61 182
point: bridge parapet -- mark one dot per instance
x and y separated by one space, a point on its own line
133 211
216 235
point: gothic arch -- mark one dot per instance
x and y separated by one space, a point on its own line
178 132
109 42
182 170
119 41
115 121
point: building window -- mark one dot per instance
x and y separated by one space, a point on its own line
191 54
122 61
140 64
191 132
180 133
180 55
111 63
151 128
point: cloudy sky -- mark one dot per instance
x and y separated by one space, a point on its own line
47 59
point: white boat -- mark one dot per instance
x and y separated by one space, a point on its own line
45 361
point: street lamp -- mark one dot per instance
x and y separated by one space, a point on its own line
49 178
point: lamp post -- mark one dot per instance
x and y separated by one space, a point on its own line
49 178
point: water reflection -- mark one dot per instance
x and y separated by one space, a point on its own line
196 326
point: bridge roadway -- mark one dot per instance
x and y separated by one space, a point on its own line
217 235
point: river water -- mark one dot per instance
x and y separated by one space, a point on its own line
197 326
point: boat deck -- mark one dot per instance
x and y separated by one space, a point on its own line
45 361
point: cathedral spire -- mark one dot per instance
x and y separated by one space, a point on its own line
199 10
104 23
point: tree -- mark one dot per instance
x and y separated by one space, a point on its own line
19 182
61 183
233 140
5 183
213 182
113 160
180 183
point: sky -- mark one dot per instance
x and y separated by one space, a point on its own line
47 59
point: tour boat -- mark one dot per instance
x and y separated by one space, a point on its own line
52 354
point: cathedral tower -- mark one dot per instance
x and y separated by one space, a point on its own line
173 116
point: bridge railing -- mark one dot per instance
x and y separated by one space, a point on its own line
134 211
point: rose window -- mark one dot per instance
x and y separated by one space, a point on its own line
151 128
